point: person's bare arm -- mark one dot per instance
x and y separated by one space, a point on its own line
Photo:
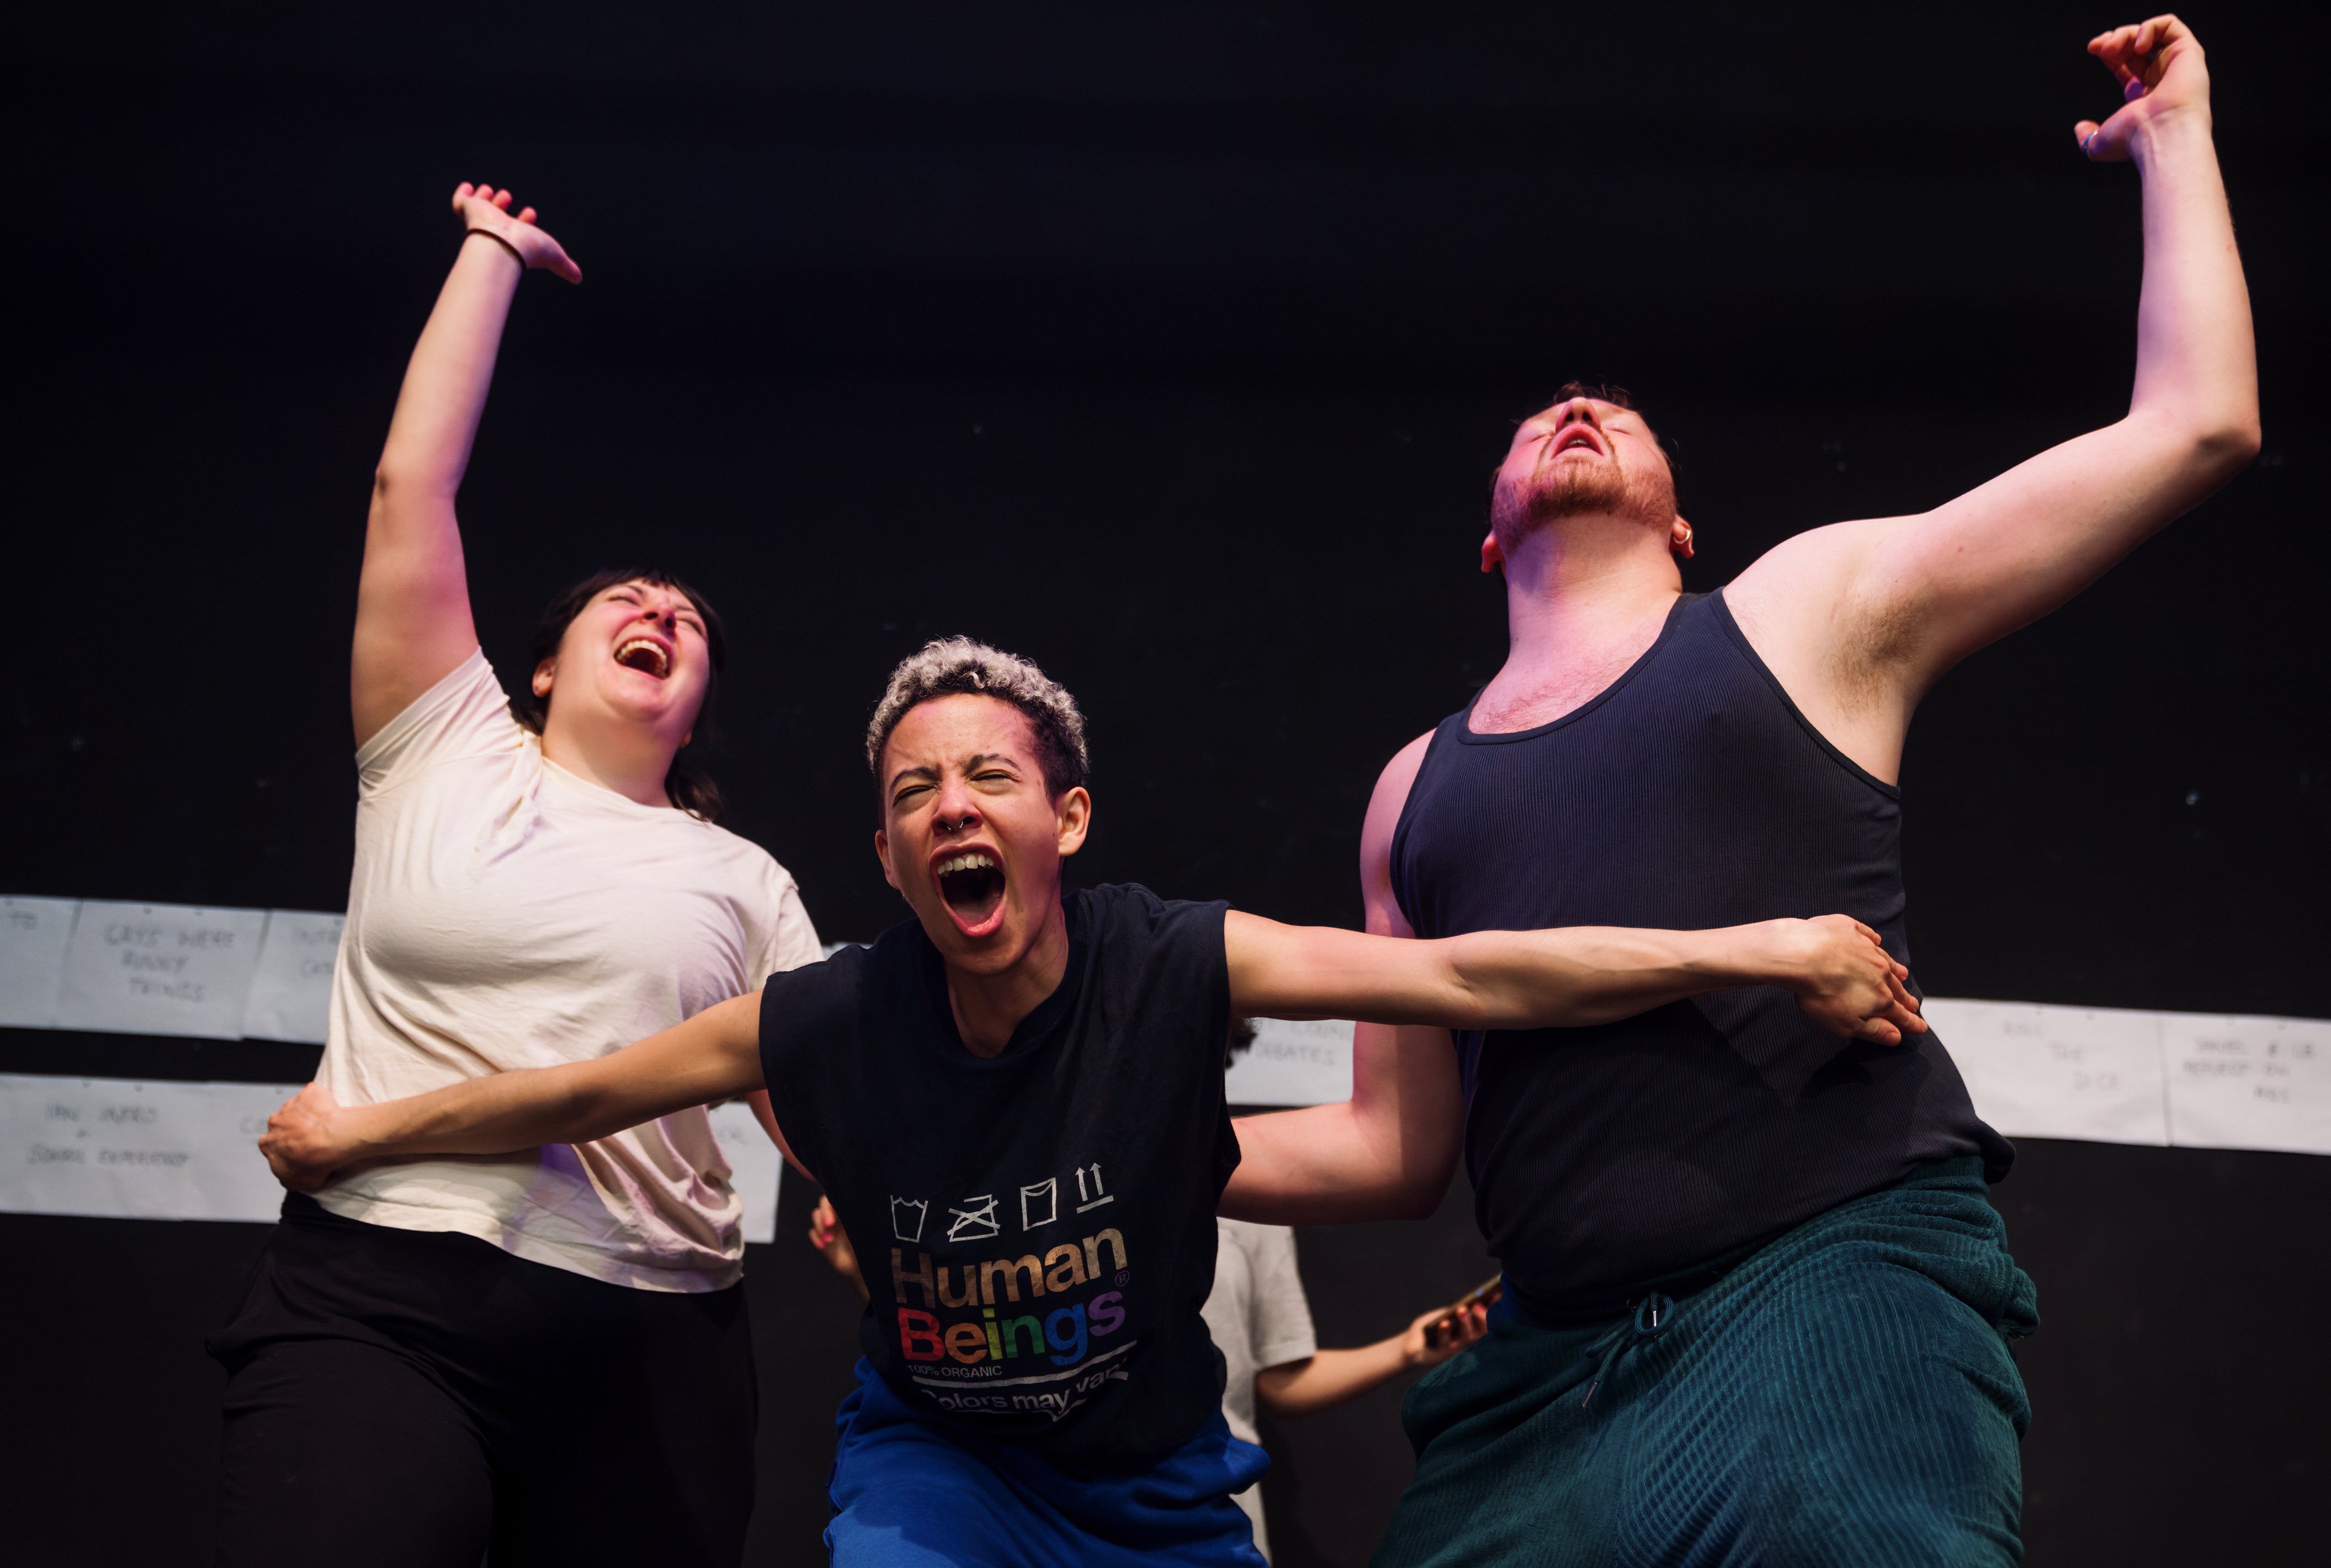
1388 1151
1576 976
713 1056
1859 620
1327 1378
413 600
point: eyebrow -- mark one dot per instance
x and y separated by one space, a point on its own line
687 606
976 759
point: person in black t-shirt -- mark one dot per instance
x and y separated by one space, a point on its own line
1016 1101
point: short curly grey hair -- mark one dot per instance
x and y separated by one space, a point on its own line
952 665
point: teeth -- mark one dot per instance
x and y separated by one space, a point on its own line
975 861
662 664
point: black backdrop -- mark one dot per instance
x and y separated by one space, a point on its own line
1173 346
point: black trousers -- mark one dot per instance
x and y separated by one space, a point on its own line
413 1399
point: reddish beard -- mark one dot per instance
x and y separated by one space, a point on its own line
1577 489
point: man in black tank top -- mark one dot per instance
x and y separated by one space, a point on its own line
1755 1298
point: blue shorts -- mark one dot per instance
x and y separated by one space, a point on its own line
911 1491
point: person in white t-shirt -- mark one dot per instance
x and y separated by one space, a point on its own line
1260 1321
542 1356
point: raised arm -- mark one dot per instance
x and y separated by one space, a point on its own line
714 1056
1860 619
412 601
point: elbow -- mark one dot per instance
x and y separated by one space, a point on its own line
1413 1200
2225 447
1416 1194
385 481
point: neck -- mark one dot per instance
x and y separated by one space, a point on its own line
1573 590
632 764
989 1007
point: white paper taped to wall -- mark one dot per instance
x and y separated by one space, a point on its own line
32 937
755 1167
2033 1070
118 1148
159 969
291 988
1293 1064
148 1151
2057 1072
2249 1083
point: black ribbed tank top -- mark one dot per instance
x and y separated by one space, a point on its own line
1655 1152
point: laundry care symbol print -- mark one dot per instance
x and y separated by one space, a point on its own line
1039 1205
907 1215
976 1220
1096 1195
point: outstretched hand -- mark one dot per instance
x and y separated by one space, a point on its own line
300 1144
1847 983
2159 66
1442 1333
484 208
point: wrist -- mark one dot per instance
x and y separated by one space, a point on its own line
2169 132
499 241
355 1133
1785 953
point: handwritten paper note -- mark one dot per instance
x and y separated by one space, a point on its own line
1293 1064
755 1167
32 937
160 969
151 1151
2036 1071
291 988
2249 1083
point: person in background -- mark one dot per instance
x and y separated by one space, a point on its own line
1261 1319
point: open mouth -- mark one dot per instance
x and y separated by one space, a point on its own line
644 655
1576 438
971 883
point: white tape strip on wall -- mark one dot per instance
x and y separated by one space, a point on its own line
184 1150
116 1148
2102 1075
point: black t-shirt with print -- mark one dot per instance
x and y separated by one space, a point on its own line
1036 1229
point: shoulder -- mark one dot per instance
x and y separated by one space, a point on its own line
742 858
1129 910
1381 826
813 1008
1807 584
465 714
1390 794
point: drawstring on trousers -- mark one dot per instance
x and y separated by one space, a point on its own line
1653 1313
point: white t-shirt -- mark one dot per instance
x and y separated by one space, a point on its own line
505 912
1259 1318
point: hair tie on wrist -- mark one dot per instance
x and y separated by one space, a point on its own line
505 244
